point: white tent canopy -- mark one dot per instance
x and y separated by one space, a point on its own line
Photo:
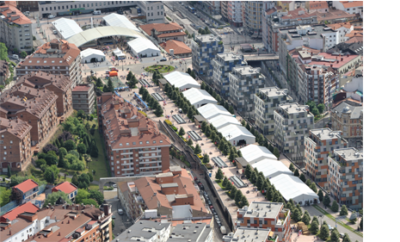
291 187
271 168
198 97
254 153
236 134
92 55
143 47
118 20
181 80
221 121
210 111
67 27
119 54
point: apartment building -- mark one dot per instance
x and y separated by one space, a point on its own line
15 144
153 10
292 122
266 101
57 223
318 6
55 8
68 188
275 18
134 145
335 16
59 84
252 16
224 10
83 98
223 64
346 116
245 234
319 145
343 29
54 57
40 112
345 179
165 193
27 189
234 13
192 232
266 215
164 31
213 6
204 49
351 7
32 6
146 231
4 72
15 29
244 82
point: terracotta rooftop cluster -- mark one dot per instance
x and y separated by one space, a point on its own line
40 79
13 15
16 127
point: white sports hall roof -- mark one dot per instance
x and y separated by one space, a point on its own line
291 187
271 168
221 121
67 27
118 20
181 80
253 153
236 133
198 97
210 111
142 44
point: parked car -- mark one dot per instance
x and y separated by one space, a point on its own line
15 56
96 12
51 16
120 211
223 230
330 227
163 59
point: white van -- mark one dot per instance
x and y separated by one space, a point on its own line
51 16
223 230
96 12
15 56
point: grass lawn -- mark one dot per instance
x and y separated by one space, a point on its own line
220 184
160 68
2 189
99 164
333 218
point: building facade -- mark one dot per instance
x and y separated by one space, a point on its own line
164 31
54 57
234 13
266 215
244 83
153 10
319 145
292 122
83 98
27 189
213 6
265 102
252 16
134 145
223 64
15 29
346 177
347 117
204 49
68 188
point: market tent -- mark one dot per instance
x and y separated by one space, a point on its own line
181 80
237 135
221 121
92 55
271 168
254 153
198 97
210 111
67 27
118 20
291 187
143 47
119 54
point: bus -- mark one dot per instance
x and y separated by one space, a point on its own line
192 10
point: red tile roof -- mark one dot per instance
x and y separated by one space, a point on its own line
335 65
160 27
318 4
81 89
296 14
178 47
352 4
171 34
13 214
65 187
16 16
26 185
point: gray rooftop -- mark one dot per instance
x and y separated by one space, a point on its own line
273 91
292 108
228 57
246 70
349 154
349 107
326 133
208 38
263 210
190 232
307 31
142 230
174 184
250 234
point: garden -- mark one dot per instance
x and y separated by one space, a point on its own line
159 68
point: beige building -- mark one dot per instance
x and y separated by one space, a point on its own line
54 57
15 29
252 19
83 98
346 116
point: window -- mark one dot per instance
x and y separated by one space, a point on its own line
140 142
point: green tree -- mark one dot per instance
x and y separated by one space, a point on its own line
81 195
244 202
324 233
303 177
296 215
296 173
361 223
81 148
314 228
83 181
90 176
225 182
52 198
291 167
159 111
40 162
3 52
238 197
190 142
306 218
248 171
5 197
228 186
50 174
313 187
23 54
321 108
219 174
260 182
94 151
51 158
110 86
346 238
308 182
74 179
335 236
97 195
315 219
69 145
61 161
197 149
276 153
253 177
320 195
90 201
343 210
335 206
315 111
232 192
206 159
181 132
231 110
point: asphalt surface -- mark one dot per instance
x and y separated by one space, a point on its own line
121 221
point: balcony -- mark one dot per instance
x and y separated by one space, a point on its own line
141 151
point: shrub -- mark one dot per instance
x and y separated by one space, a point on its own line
174 128
145 114
167 121
50 147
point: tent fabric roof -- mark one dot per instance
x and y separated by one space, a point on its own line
100 32
141 44
254 153
271 168
67 27
291 187
181 80
88 52
196 96
119 20
118 52
210 111
235 132
221 121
